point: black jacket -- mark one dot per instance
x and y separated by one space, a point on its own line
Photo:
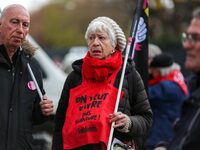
135 104
19 106
187 130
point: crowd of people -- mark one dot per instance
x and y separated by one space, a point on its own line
166 117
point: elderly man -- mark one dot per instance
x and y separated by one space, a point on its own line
20 104
188 128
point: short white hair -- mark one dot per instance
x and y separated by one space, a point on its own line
100 26
108 25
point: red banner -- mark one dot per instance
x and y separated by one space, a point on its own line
87 119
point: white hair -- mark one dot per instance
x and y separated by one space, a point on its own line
166 70
115 33
100 26
154 50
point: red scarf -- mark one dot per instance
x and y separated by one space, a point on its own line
98 70
174 76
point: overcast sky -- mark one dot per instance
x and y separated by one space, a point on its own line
29 4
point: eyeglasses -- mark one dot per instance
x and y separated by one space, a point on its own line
190 37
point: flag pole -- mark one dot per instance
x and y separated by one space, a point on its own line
131 39
34 80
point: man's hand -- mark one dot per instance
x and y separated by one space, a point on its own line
46 106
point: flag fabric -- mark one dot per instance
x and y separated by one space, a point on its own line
139 48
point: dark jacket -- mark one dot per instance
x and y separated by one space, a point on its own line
19 106
166 99
136 106
188 128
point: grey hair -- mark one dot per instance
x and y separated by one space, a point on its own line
115 33
154 50
96 26
166 70
196 13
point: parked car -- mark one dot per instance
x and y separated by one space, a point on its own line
75 53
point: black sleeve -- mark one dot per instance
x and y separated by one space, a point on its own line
140 106
141 110
71 81
60 118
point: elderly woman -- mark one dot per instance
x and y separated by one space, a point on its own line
85 111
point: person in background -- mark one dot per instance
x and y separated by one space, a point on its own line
154 50
188 128
167 92
85 111
20 104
